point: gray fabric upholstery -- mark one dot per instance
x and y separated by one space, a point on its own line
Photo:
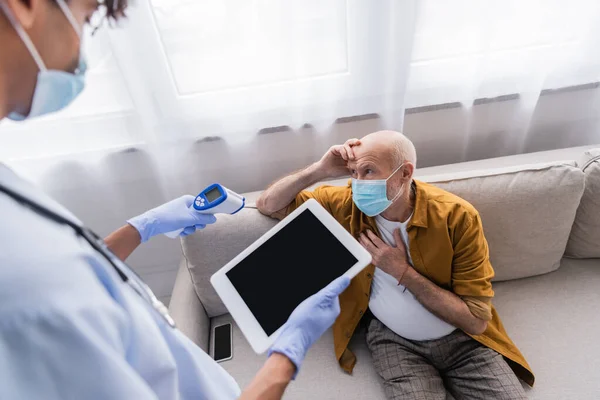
187 311
527 212
554 321
552 318
584 241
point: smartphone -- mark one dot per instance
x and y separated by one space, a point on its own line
222 343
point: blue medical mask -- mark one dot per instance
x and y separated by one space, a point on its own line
54 89
370 196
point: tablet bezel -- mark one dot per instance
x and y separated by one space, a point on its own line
248 324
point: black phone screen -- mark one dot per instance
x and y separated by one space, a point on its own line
222 342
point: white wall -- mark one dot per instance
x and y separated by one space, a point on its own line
105 188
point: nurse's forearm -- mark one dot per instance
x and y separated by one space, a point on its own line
272 379
123 241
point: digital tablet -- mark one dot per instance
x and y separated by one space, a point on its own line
292 261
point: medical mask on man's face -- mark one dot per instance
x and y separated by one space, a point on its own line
54 89
370 196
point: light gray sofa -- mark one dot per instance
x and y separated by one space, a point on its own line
534 207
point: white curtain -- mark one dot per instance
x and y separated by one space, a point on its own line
186 92
502 60
181 70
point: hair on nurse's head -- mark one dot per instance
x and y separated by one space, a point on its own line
114 9
110 9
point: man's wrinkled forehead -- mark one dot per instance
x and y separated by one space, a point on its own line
371 153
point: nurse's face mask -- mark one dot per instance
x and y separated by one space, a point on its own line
54 89
370 196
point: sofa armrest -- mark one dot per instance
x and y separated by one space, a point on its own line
187 310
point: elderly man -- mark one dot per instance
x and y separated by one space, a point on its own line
433 327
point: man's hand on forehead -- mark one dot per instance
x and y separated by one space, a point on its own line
346 150
335 162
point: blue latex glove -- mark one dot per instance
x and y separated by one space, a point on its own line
169 217
309 321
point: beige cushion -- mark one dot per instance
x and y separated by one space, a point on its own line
553 319
527 212
585 235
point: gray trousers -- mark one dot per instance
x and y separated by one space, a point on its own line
426 369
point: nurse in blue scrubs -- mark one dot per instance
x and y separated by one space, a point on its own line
75 321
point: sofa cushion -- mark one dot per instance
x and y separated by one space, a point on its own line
554 321
527 212
584 241
552 318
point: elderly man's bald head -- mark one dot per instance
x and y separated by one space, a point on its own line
379 154
392 145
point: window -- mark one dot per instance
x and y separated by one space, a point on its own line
466 49
239 66
217 45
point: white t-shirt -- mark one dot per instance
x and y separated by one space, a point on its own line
397 308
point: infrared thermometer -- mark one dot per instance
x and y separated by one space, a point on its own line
215 199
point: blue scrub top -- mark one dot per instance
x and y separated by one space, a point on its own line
70 328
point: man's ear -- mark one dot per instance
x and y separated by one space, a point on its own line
25 11
408 170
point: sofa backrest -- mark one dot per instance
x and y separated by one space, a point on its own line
584 241
527 213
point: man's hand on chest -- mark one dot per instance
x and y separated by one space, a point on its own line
390 259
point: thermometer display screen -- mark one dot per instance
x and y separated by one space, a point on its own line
213 195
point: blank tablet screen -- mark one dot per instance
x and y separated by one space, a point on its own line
295 263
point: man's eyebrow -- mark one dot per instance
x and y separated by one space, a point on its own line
367 164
